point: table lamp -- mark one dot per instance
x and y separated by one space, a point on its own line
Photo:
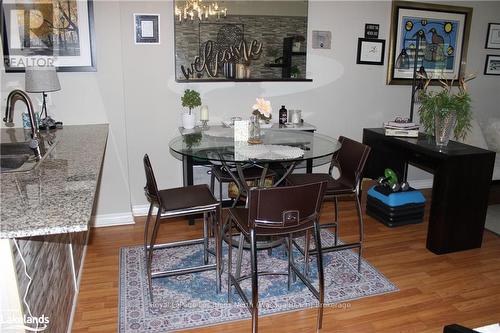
42 80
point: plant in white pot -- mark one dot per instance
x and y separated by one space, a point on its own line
446 110
190 99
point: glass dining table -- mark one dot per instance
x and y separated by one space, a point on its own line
282 149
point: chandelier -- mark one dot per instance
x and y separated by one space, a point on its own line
199 9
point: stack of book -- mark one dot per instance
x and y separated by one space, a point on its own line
393 128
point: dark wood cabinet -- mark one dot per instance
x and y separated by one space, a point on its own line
462 178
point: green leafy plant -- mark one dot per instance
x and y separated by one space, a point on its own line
191 99
192 140
445 101
294 71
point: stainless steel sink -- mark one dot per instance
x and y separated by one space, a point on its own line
18 157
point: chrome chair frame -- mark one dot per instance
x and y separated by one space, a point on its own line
211 215
293 270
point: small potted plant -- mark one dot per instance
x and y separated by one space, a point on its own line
294 72
190 99
446 110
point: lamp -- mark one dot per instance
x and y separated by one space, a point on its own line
403 61
42 80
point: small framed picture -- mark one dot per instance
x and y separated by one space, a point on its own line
147 28
370 51
493 37
492 66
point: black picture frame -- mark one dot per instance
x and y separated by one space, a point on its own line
487 66
493 36
80 56
445 30
140 37
370 51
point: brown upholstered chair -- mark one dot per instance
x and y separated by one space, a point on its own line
279 211
178 202
350 160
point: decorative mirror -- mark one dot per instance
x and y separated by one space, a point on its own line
240 40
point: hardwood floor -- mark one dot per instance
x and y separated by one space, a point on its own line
434 291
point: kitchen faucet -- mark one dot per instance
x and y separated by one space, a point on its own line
12 98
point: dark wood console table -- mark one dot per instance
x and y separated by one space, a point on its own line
462 177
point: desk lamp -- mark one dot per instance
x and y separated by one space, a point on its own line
42 80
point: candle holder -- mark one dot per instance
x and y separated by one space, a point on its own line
204 125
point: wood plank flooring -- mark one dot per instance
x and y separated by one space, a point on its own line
462 287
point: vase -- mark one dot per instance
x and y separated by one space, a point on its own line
188 120
255 134
296 47
443 127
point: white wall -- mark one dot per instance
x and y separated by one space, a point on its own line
134 88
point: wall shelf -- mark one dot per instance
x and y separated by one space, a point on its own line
244 80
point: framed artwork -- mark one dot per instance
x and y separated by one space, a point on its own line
433 36
492 66
493 37
370 51
54 33
147 28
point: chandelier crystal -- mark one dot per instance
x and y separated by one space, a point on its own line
200 9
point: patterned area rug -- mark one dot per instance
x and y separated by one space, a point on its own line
190 301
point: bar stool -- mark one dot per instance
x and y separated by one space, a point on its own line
350 160
178 202
278 211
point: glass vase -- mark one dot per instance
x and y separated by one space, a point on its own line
255 133
443 127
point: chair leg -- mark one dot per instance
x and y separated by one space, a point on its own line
306 253
212 183
240 256
337 224
146 231
291 274
218 247
205 238
149 260
321 279
361 230
255 287
229 259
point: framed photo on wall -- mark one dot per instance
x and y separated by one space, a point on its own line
492 66
434 36
493 36
54 33
370 51
147 28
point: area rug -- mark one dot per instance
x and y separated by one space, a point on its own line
190 301
493 219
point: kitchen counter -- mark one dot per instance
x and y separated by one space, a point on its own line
58 195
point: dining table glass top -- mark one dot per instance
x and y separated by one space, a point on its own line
218 145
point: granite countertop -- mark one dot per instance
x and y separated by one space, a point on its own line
58 195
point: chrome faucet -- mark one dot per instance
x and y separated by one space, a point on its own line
12 98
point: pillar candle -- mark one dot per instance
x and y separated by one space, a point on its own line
204 113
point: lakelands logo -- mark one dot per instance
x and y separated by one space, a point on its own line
28 323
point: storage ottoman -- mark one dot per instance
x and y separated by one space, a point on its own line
395 208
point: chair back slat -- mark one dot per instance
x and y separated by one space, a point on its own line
151 188
350 159
285 207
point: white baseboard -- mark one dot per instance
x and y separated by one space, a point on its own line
421 184
142 210
109 220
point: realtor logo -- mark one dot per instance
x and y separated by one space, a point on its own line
9 321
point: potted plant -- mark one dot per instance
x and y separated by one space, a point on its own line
294 72
263 111
446 110
190 99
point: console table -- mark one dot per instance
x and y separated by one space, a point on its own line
462 177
